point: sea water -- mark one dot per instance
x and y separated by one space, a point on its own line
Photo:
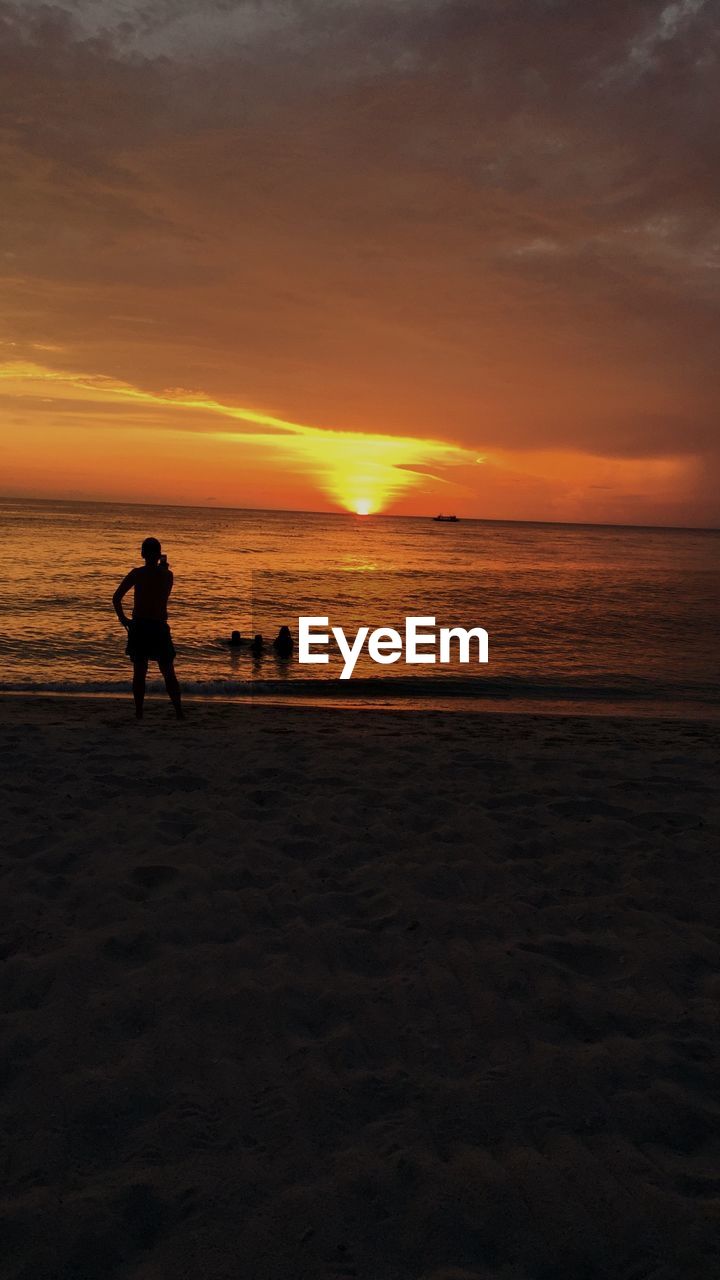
578 616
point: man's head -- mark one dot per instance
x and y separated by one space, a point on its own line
150 550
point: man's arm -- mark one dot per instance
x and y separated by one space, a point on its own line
125 585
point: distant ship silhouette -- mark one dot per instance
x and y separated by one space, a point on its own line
446 518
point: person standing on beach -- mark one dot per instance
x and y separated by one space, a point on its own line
148 631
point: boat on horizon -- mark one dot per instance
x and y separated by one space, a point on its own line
450 519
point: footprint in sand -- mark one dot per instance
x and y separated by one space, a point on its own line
273 1119
151 877
133 950
171 829
201 1125
301 848
585 957
644 1268
143 1213
264 798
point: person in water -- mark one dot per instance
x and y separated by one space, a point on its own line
148 631
283 643
256 646
235 640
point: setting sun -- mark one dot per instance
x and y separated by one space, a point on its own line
203 441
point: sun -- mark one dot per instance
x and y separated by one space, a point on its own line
363 507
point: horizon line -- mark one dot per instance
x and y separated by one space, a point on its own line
351 515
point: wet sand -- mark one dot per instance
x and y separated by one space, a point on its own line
303 994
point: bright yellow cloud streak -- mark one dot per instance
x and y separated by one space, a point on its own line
356 470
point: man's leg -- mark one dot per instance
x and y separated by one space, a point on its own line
139 673
173 688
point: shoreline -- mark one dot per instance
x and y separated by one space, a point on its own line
593 709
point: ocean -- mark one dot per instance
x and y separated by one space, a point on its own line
579 618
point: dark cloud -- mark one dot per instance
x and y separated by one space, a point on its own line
494 222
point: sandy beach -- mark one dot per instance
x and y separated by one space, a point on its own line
319 994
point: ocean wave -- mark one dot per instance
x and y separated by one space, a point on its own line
617 689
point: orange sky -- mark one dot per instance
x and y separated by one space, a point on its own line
432 258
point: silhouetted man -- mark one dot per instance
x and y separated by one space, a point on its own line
148 630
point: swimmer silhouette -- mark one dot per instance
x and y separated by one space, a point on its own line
283 643
148 631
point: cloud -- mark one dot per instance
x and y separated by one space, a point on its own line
347 467
490 223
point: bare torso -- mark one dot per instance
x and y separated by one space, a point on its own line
152 586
